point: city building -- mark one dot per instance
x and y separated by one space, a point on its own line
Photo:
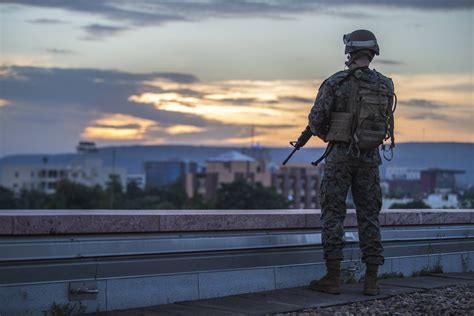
159 173
436 179
410 183
44 175
402 182
401 173
299 184
226 168
85 147
399 188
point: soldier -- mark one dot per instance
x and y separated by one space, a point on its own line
353 113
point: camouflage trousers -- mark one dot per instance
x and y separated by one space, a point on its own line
364 182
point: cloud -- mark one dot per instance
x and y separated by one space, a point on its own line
389 62
99 31
114 107
297 99
56 106
123 126
118 127
236 102
3 103
146 12
59 51
184 129
461 87
422 103
46 21
91 90
428 116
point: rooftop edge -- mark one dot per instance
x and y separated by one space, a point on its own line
63 222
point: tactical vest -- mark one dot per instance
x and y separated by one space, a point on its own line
364 119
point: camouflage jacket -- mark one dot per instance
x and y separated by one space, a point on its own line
333 95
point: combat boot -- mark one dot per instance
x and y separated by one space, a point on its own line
331 282
371 286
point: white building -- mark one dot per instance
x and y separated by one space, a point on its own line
401 173
442 200
44 176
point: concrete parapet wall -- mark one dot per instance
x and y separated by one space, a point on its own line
136 258
54 222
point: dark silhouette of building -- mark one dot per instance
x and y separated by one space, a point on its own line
435 179
158 173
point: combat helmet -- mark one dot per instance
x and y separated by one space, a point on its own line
360 40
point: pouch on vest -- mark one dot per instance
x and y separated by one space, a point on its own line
340 127
372 115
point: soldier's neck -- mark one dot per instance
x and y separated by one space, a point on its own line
361 62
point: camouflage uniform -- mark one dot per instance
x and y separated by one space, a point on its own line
343 170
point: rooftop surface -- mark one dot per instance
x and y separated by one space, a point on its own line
232 156
298 298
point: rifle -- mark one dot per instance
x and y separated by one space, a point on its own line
302 140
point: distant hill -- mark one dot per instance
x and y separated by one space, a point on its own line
414 155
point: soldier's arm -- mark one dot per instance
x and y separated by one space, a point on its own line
319 116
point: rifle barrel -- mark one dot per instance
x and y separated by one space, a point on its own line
289 156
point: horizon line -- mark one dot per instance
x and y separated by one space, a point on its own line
226 146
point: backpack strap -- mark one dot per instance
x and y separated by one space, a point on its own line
392 121
354 104
391 124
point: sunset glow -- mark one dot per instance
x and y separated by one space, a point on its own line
220 72
117 126
184 129
430 107
3 102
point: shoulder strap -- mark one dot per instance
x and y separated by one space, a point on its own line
339 81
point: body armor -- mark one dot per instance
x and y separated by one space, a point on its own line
362 115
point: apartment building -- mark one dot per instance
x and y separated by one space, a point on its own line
299 183
226 168
44 175
159 173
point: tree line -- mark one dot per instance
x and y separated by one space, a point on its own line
71 195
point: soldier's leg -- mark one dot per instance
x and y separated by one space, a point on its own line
368 201
334 187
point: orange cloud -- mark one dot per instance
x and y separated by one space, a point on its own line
184 129
118 127
435 107
241 102
3 103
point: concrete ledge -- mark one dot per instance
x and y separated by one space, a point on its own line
54 222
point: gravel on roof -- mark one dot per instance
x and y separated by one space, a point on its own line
452 300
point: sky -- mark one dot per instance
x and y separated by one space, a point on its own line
220 72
